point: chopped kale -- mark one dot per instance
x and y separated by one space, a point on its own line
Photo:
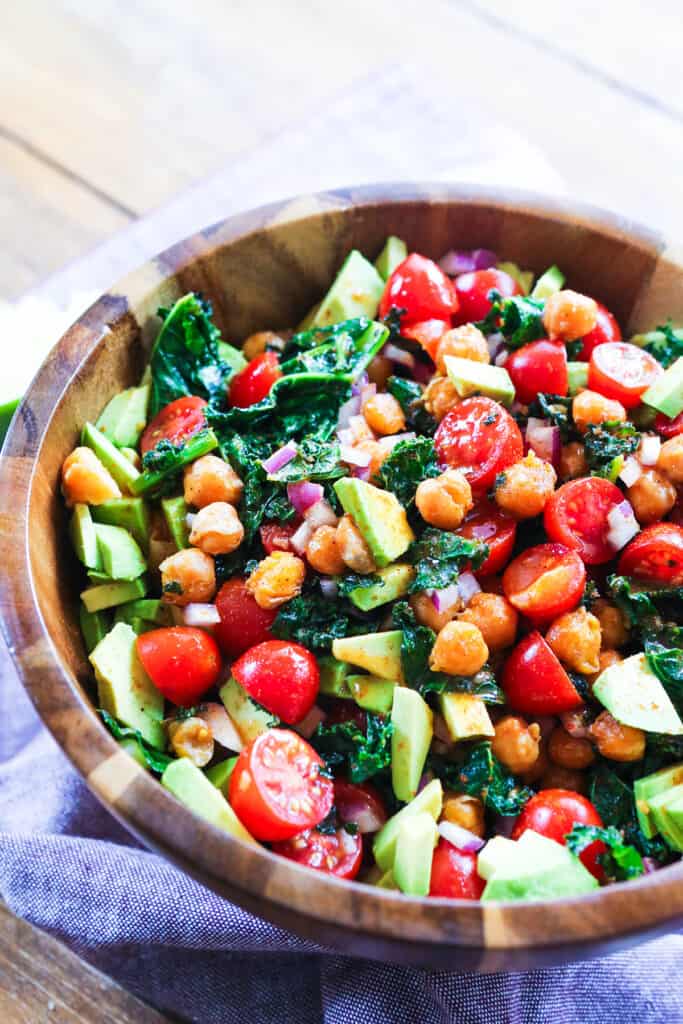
574 348
408 464
652 612
409 395
262 499
519 319
591 594
354 581
162 465
343 350
155 760
482 775
314 622
606 445
164 457
440 556
620 861
614 801
392 321
315 460
558 410
328 826
665 344
482 684
667 665
345 746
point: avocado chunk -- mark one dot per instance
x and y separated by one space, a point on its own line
123 687
539 869
466 716
377 653
192 448
472 378
634 695
219 775
412 720
392 582
94 627
379 516
495 854
355 291
386 881
232 356
109 595
121 556
430 799
130 513
249 718
666 394
124 418
188 784
333 675
83 538
524 278
549 282
577 376
666 810
175 513
395 251
650 786
123 471
372 693
415 844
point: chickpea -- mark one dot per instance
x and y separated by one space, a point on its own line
495 617
538 769
352 547
257 343
217 529
384 414
188 576
440 397
210 479
193 739
556 777
616 741
590 407
467 342
568 751
605 659
525 488
516 743
652 496
613 624
377 453
276 579
670 461
445 500
380 370
459 650
465 811
575 639
573 461
322 552
85 479
569 315
426 613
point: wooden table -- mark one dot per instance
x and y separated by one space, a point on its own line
108 110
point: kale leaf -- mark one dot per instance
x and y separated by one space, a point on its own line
482 775
620 861
614 801
343 349
363 754
410 396
519 319
558 410
354 581
667 665
155 760
606 445
314 622
262 499
439 557
162 465
315 460
652 612
408 464
665 343
482 684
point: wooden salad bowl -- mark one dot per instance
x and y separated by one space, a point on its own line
264 269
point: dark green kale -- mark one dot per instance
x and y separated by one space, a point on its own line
665 343
328 826
409 395
155 760
482 684
558 410
653 613
482 775
408 464
606 445
343 350
360 755
667 665
620 860
519 319
590 595
354 581
614 801
574 348
164 457
314 622
162 465
315 460
262 499
392 321
439 557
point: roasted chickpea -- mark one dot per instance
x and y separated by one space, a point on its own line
569 315
573 461
277 578
191 738
575 639
445 500
210 479
384 414
378 454
616 741
569 751
440 397
590 407
465 811
322 552
556 777
85 479
426 613
524 489
257 343
606 658
613 624
459 650
516 744
379 371
652 496
188 576
495 617
466 342
216 529
538 768
670 461
352 547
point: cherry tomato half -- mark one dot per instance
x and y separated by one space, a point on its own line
480 438
454 873
359 804
182 662
276 536
282 676
535 682
336 853
622 371
606 329
253 383
428 334
545 581
553 813
487 523
420 287
669 427
538 366
277 789
243 623
576 515
473 291
175 422
655 555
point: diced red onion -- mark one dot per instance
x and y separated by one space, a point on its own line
280 458
496 344
367 391
399 356
299 540
310 723
501 359
347 410
545 440
422 372
189 519
202 615
321 514
483 531
460 837
328 588
361 472
426 778
648 452
650 865
366 819
462 261
303 494
467 586
345 436
221 725
446 597
388 444
623 525
359 428
360 383
353 457
630 471
504 824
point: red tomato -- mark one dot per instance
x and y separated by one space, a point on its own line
480 438
669 427
253 383
421 288
182 662
175 422
655 555
454 873
488 524
276 536
243 623
427 333
282 676
336 853
545 581
535 682
473 291
538 366
606 329
276 788
576 515
553 813
622 371
361 805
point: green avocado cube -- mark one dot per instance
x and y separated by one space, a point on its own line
249 718
412 720
666 394
391 582
472 378
124 418
150 609
219 775
666 810
188 784
83 537
121 556
379 516
650 786
94 627
415 844
355 292
394 252
429 799
377 653
123 687
466 716
232 356
130 513
549 282
524 278
175 513
577 376
372 694
122 470
633 694
109 595
333 675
